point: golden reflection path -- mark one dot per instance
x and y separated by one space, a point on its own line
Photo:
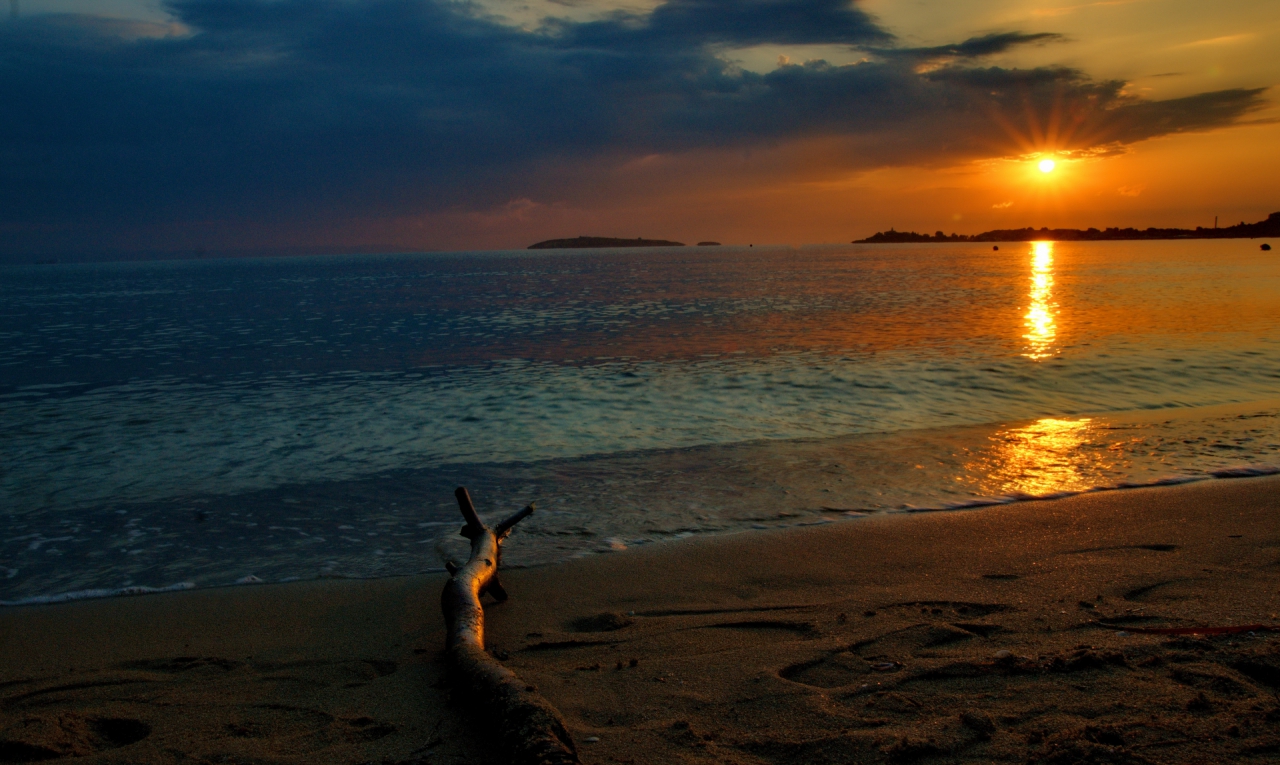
1047 456
1040 320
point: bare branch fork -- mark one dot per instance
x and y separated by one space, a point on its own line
530 728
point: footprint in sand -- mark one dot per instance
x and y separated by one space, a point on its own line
1139 593
881 654
67 734
1116 548
951 607
799 628
835 671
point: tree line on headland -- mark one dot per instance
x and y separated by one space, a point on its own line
1242 230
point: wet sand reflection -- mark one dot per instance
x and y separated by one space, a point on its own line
1047 456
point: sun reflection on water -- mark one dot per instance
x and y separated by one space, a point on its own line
1040 321
1047 456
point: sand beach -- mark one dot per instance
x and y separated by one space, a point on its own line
972 636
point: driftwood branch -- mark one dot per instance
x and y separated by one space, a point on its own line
529 728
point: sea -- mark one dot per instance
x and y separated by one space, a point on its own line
215 422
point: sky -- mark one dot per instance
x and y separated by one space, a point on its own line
140 127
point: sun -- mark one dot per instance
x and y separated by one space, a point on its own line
1047 165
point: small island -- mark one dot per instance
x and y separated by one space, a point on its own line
601 241
1242 230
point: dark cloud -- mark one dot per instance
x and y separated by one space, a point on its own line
974 47
1063 109
751 22
295 110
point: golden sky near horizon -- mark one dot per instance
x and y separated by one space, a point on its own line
812 189
1163 49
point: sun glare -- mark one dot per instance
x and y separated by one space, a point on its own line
1047 165
1041 321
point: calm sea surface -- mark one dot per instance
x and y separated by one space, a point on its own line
204 423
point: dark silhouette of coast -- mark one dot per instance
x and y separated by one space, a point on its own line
1242 230
601 241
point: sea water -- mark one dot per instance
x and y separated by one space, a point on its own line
210 422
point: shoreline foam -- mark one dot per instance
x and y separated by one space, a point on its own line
1248 471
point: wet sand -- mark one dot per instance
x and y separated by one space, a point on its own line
947 637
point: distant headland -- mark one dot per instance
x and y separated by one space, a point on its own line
601 241
1242 230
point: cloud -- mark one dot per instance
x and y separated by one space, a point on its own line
751 22
974 47
682 30
1223 40
252 113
